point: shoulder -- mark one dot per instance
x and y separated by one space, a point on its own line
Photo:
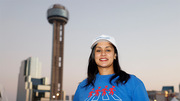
81 86
139 92
79 89
134 79
134 82
83 83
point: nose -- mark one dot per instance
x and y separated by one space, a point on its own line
103 53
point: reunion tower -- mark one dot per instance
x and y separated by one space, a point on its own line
58 17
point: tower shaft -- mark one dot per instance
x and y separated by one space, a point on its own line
57 61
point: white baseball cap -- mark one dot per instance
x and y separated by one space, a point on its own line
102 38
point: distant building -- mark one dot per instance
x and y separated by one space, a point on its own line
178 95
31 86
156 96
179 88
167 94
41 90
67 98
72 97
3 96
170 89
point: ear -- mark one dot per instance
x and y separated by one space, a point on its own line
115 56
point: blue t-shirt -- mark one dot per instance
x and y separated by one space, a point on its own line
133 90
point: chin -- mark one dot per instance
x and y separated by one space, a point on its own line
102 66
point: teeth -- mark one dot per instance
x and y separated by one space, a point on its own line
103 59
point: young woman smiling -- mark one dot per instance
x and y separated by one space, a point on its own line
104 57
105 79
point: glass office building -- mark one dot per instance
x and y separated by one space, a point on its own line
31 86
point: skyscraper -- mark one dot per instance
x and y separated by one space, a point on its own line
3 96
30 68
58 16
179 88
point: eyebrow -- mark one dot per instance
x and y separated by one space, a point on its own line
105 47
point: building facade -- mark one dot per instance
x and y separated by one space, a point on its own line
31 85
166 94
3 96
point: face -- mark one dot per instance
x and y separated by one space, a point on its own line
104 55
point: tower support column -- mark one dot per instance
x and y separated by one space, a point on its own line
58 16
57 60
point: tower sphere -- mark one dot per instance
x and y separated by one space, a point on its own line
57 12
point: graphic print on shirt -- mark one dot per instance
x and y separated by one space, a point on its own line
104 94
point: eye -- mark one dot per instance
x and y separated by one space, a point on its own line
98 50
108 50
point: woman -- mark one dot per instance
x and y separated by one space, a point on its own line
106 81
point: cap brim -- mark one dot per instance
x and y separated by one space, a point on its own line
96 42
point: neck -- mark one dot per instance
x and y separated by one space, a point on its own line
105 71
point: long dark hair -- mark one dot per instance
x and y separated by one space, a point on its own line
93 70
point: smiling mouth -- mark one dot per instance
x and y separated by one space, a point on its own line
103 59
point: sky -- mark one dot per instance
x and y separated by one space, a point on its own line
147 34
